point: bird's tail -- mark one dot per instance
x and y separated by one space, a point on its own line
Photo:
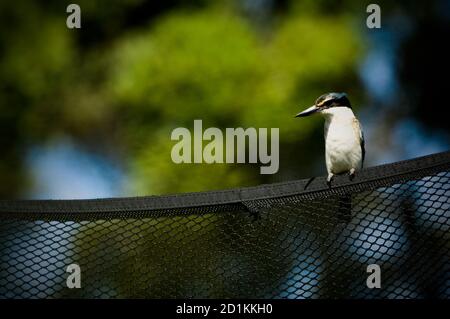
344 213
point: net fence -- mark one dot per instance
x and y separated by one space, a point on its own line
298 239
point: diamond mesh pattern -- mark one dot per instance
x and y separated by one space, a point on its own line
295 246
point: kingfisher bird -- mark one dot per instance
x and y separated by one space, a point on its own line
344 139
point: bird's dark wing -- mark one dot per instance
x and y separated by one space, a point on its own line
363 148
359 132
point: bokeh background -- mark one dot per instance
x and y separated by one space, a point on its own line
88 112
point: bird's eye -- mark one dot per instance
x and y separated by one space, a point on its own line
327 103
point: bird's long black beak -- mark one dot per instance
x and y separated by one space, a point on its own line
310 110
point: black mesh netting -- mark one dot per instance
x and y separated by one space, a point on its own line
288 240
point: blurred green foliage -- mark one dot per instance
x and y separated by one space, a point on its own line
123 93
213 65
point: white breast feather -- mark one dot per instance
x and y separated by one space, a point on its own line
342 140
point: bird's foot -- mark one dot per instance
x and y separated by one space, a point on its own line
329 179
351 174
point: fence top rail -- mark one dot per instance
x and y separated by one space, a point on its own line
378 176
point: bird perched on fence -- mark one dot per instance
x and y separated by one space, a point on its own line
344 140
